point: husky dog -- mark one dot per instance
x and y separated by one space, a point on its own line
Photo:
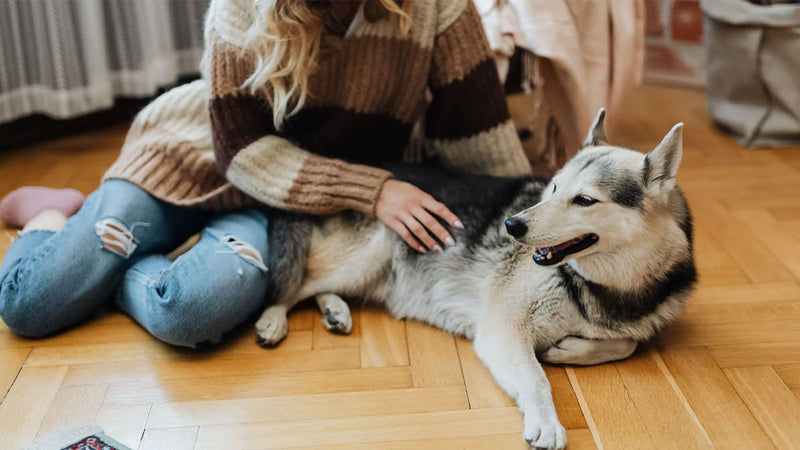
576 271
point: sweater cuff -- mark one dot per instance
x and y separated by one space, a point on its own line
337 183
276 172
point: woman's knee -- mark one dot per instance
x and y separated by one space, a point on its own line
28 314
186 331
53 280
197 318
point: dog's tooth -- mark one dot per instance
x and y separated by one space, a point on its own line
549 255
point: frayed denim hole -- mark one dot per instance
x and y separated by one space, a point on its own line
244 250
117 237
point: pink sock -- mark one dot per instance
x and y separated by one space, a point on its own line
23 204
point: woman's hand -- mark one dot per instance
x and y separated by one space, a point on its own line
408 210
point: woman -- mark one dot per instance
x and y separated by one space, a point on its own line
299 101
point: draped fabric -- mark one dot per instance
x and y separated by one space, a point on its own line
577 56
64 58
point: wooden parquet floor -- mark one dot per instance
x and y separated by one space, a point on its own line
726 374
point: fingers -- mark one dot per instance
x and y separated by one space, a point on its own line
414 215
440 210
401 229
434 227
421 233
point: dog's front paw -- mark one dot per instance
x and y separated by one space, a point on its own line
544 433
272 327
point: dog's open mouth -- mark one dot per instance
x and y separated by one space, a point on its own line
547 256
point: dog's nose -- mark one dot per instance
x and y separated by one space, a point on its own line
516 227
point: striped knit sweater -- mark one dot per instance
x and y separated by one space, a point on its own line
211 144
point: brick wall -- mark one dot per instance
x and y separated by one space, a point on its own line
674 52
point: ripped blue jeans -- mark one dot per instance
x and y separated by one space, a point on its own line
114 247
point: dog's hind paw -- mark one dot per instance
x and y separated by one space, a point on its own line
272 327
338 321
546 435
336 313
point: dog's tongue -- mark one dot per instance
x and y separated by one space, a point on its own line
563 245
555 249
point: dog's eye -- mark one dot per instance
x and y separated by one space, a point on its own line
583 200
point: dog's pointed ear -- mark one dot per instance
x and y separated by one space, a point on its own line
661 164
597 132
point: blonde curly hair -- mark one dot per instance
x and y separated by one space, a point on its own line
285 40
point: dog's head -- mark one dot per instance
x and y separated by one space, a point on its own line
604 199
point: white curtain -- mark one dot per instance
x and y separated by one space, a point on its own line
65 58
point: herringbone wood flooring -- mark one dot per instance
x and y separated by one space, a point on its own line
726 374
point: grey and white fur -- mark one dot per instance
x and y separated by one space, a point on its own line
576 270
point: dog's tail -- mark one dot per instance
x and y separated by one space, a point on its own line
289 240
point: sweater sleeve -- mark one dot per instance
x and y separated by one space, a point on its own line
468 122
248 150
